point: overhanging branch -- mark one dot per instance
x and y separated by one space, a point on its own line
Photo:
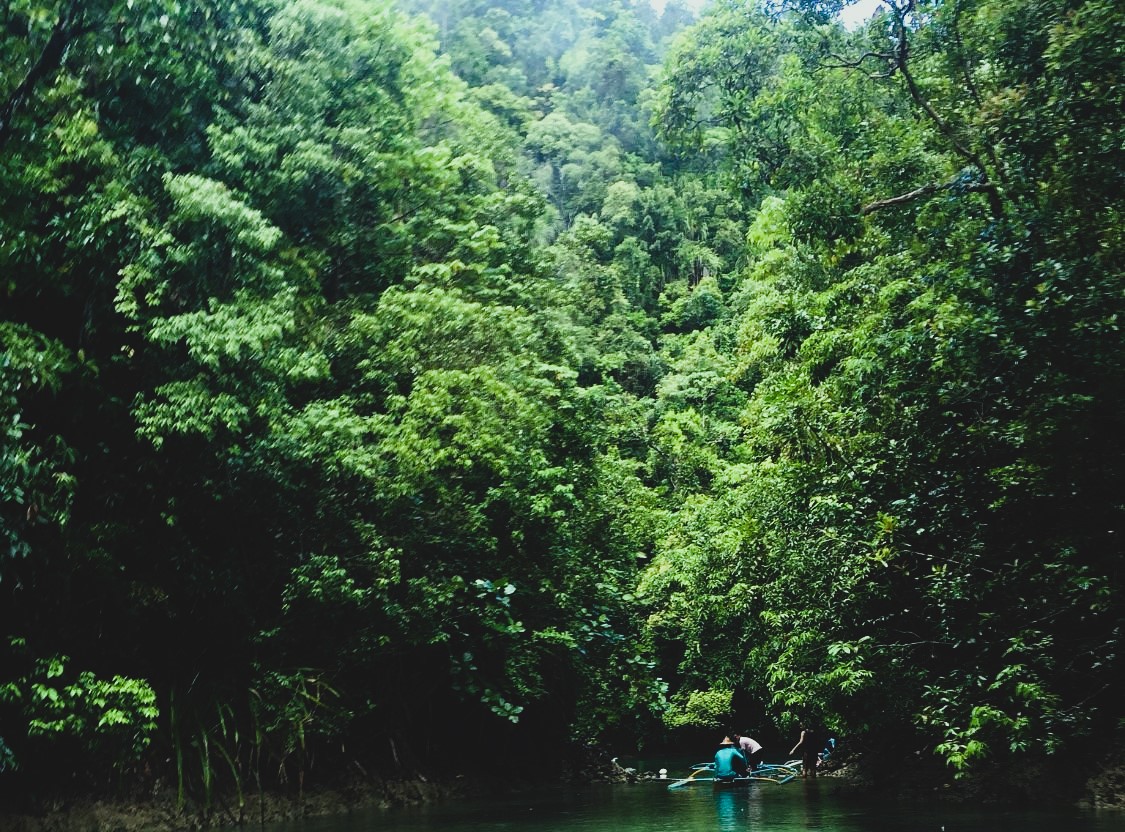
926 190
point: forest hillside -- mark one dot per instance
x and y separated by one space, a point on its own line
559 373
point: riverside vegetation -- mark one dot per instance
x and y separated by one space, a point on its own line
388 389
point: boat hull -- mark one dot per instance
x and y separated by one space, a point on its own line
765 773
733 783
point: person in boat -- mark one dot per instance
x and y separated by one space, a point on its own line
809 745
729 762
751 749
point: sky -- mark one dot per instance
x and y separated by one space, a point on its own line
853 15
858 12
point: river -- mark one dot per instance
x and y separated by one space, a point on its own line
650 807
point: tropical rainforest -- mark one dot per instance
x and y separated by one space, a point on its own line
406 385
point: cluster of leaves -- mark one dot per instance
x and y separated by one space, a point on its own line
910 523
108 716
295 426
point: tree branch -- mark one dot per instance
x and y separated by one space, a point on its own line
890 202
50 58
926 190
857 63
901 53
967 74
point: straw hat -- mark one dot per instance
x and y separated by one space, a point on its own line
727 741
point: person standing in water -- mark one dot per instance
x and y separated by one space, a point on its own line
809 745
729 762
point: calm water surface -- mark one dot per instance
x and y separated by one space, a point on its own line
650 807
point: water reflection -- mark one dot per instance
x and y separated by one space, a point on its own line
727 806
739 808
813 813
650 807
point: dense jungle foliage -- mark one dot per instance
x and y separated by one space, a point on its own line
407 385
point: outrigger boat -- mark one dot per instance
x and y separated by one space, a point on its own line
764 772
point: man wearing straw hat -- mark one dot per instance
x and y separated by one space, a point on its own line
729 762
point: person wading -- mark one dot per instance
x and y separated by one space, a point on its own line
809 745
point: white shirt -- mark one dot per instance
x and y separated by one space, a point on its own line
748 745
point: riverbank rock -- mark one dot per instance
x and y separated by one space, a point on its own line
1106 789
1042 781
589 763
